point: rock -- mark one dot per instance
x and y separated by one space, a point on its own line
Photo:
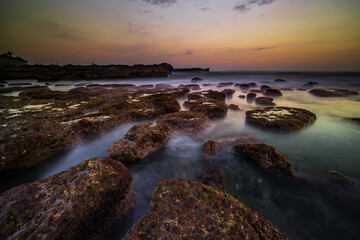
236 138
286 89
210 94
225 84
214 175
266 101
301 89
281 118
41 94
48 84
62 85
210 148
234 107
182 209
196 79
280 80
82 202
190 86
273 93
245 86
256 91
339 177
228 92
251 97
163 86
355 120
211 108
264 87
141 140
332 93
19 84
208 84
242 96
266 157
187 121
310 84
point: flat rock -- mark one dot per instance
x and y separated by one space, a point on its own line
264 101
182 209
266 157
211 108
141 140
187 121
82 202
332 93
245 86
210 148
190 86
215 95
242 96
280 80
225 84
281 118
264 87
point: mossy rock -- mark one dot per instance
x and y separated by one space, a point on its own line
82 202
281 118
182 209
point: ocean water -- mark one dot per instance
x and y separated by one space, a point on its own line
309 206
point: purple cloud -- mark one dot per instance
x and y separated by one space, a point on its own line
243 7
161 2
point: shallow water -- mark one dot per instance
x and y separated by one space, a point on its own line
310 206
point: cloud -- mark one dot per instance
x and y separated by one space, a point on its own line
188 52
251 49
56 30
241 8
248 4
161 2
205 9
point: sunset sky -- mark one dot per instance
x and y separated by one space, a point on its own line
304 35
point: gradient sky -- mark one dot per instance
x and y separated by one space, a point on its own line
315 35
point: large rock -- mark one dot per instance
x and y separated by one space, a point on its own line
266 157
281 118
196 79
333 93
141 140
82 202
211 108
214 95
225 84
187 121
182 209
228 92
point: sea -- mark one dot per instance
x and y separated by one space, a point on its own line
312 205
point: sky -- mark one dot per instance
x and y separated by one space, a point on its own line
288 35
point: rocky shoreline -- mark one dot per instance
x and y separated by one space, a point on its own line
85 201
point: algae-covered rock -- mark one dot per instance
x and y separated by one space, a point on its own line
182 209
266 157
187 121
333 93
80 203
210 148
272 93
266 101
281 118
141 140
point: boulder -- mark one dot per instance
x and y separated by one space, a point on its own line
187 121
210 148
266 157
245 86
82 202
273 93
234 107
215 95
310 84
264 87
19 84
196 79
228 92
182 209
280 80
332 93
281 118
265 101
140 141
242 96
256 91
